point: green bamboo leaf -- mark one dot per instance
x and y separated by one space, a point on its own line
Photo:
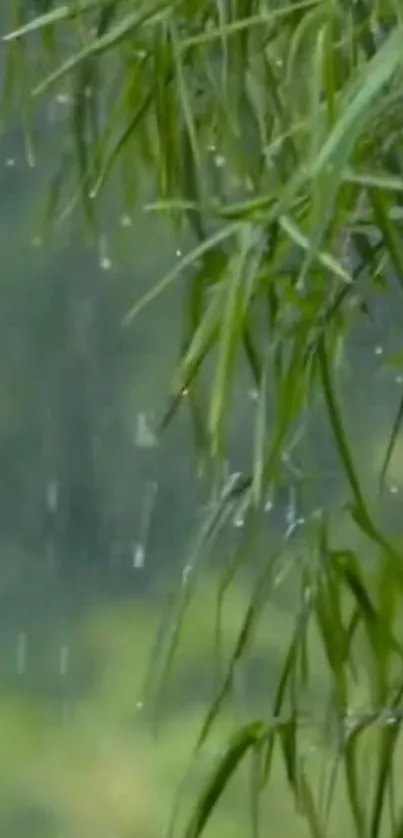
379 632
122 30
391 554
111 157
209 244
84 124
328 794
255 797
236 26
170 206
325 259
252 353
286 675
241 271
260 436
391 444
290 394
161 661
358 102
374 180
238 557
204 338
61 13
355 793
392 239
288 739
248 625
346 563
185 100
340 436
389 734
308 807
356 110
318 61
333 635
247 738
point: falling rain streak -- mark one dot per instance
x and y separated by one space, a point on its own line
64 660
21 652
139 552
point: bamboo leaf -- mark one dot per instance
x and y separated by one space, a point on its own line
243 741
217 238
61 13
122 30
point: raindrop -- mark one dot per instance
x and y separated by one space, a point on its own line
253 395
308 595
399 379
185 392
219 161
105 263
139 705
64 655
178 253
139 556
378 350
291 513
239 521
293 525
10 162
212 148
21 652
36 241
279 62
145 436
63 99
52 495
186 573
268 506
393 489
125 221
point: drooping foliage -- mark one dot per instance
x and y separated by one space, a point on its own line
270 136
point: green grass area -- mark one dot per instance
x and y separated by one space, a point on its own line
87 755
